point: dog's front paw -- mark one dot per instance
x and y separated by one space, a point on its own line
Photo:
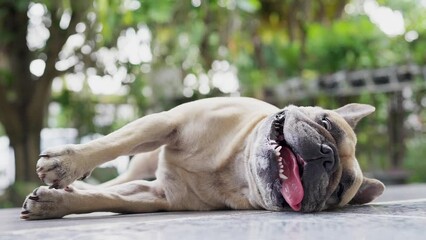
45 203
60 166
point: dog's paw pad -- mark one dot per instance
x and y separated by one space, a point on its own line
60 166
43 203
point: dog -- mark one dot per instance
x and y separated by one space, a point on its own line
214 154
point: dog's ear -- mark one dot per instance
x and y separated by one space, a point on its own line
354 112
370 189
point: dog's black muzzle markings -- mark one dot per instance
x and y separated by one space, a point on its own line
315 152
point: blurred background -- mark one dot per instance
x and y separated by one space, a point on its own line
73 70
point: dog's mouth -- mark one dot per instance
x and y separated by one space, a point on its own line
290 165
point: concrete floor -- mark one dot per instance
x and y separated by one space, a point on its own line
402 219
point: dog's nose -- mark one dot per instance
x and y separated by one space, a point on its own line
328 158
325 149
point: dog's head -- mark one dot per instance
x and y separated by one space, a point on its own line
305 159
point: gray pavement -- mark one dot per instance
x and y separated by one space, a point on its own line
397 219
403 192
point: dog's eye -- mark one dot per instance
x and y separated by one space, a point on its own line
326 123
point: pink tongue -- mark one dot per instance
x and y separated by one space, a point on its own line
292 189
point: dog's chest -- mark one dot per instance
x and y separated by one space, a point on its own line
222 188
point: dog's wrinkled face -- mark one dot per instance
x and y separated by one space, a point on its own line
305 159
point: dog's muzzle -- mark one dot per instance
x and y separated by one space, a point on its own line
290 165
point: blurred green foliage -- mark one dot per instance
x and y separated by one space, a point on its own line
349 44
13 196
2 133
415 159
266 46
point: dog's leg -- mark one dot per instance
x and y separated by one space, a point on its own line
142 167
60 166
132 197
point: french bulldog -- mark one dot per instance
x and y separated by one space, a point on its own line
211 154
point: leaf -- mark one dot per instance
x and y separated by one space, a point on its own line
6 77
249 5
128 18
160 11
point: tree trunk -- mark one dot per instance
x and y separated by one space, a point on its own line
23 131
23 98
23 126
26 152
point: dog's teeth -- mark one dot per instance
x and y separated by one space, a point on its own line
278 148
282 176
